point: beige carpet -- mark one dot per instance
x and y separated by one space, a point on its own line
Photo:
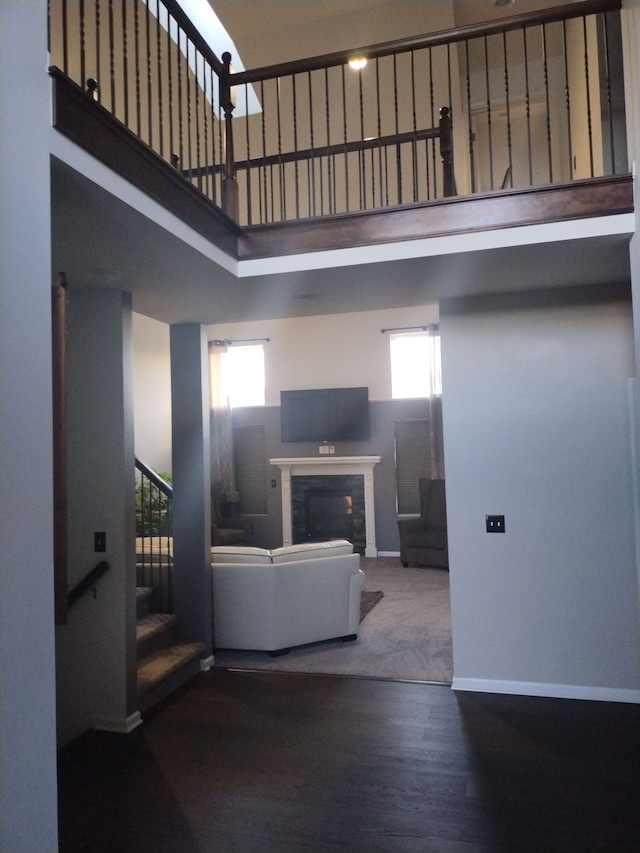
406 636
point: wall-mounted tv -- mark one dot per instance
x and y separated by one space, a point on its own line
325 414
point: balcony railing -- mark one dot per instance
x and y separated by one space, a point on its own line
525 101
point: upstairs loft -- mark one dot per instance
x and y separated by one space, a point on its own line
516 122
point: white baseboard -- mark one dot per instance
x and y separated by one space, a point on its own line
121 727
388 553
553 691
207 663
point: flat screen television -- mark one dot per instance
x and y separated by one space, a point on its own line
325 414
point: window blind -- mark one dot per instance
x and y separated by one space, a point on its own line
251 473
412 444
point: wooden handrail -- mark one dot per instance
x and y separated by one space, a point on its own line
175 10
89 580
470 31
325 151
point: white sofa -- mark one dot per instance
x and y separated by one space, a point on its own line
290 596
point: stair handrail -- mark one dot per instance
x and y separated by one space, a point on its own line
88 581
156 479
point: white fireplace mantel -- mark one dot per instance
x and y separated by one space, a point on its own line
314 466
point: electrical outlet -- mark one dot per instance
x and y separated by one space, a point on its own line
495 523
332 449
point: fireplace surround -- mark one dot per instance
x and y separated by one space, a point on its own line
331 467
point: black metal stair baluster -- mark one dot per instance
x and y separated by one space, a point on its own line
160 81
149 76
198 109
170 101
378 136
489 114
507 99
125 63
65 38
312 171
414 144
328 126
182 73
345 136
281 176
112 60
191 84
296 175
263 171
430 147
249 178
362 164
83 46
547 97
527 105
136 62
588 94
397 130
98 36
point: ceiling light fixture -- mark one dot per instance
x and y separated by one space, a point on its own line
357 63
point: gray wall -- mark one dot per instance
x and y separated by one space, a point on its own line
96 648
537 427
28 806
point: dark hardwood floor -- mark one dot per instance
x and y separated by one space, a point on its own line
248 762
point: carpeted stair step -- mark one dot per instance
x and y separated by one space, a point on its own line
153 632
164 671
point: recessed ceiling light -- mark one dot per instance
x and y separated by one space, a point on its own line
357 63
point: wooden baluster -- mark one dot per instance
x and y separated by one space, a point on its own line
227 104
446 152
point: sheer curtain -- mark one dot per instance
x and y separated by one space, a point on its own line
223 478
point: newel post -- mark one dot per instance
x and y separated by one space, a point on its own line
446 153
227 104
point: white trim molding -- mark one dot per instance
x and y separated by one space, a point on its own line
314 466
550 691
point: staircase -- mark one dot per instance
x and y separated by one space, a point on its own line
164 664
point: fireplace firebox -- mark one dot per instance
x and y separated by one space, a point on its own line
328 515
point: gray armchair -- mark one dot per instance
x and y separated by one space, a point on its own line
423 540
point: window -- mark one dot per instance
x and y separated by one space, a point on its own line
415 364
242 375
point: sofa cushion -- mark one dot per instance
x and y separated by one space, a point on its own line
240 554
311 551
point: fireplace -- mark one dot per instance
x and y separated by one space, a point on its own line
328 507
328 515
329 474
